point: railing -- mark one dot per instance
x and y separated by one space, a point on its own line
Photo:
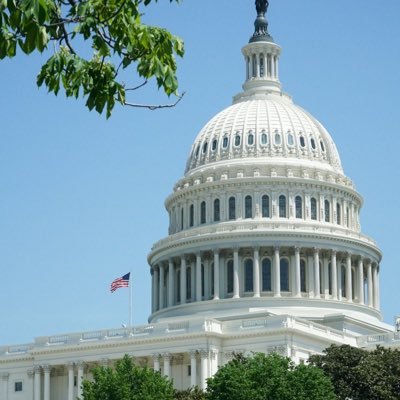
374 340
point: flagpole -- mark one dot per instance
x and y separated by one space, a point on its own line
130 301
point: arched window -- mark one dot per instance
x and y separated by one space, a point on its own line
303 276
343 280
302 141
322 146
202 280
188 283
327 211
248 275
205 145
237 140
313 209
229 275
216 210
265 206
181 218
262 66
191 215
266 275
284 275
264 138
225 142
232 208
278 139
290 139
197 151
313 144
282 206
203 212
248 207
338 213
299 207
250 139
178 289
214 145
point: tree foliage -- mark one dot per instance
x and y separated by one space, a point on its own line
271 377
93 40
360 374
193 393
127 382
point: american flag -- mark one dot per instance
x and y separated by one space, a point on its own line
120 282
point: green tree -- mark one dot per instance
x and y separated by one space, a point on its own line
271 377
92 42
360 374
127 382
193 393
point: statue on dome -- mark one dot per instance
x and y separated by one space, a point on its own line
262 6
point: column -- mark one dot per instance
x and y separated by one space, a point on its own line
193 368
216 274
198 277
161 295
156 362
360 271
311 281
207 289
80 378
171 279
256 272
71 381
325 264
375 285
167 365
183 280
272 66
213 362
30 384
297 276
277 273
152 289
156 289
46 370
4 385
349 286
378 288
334 276
317 282
204 372
36 382
236 273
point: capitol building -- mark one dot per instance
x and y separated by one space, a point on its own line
264 253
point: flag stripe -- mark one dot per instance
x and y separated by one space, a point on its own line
121 282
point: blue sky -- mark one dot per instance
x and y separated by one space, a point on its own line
82 198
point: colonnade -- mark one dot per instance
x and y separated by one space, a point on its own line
258 272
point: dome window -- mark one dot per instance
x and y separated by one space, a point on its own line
225 142
282 207
299 206
313 209
232 208
262 66
250 139
264 138
248 207
313 144
302 141
197 151
248 275
237 140
216 210
322 146
214 145
203 212
278 139
290 139
265 206
205 145
327 211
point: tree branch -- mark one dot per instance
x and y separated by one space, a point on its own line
137 87
153 107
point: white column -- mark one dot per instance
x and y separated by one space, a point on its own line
171 279
153 301
70 366
375 285
80 379
30 384
207 289
4 385
167 365
216 274
183 280
317 283
297 283
198 277
272 66
46 370
257 66
277 273
161 294
204 372
156 362
256 272
325 266
334 276
360 271
37 381
156 289
193 368
236 273
276 68
349 286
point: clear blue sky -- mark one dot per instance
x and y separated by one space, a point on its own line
82 198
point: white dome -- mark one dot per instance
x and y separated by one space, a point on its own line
268 129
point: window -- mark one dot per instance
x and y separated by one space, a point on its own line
214 145
202 280
203 212
248 207
18 386
232 208
322 146
284 275
250 139
303 276
327 211
178 289
343 280
330 278
302 141
262 67
225 142
253 59
189 370
197 151
313 144
290 139
266 275
348 217
313 209
188 283
264 138
299 206
205 145
338 213
278 139
216 210
265 206
229 274
181 218
191 215
248 275
237 140
282 206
